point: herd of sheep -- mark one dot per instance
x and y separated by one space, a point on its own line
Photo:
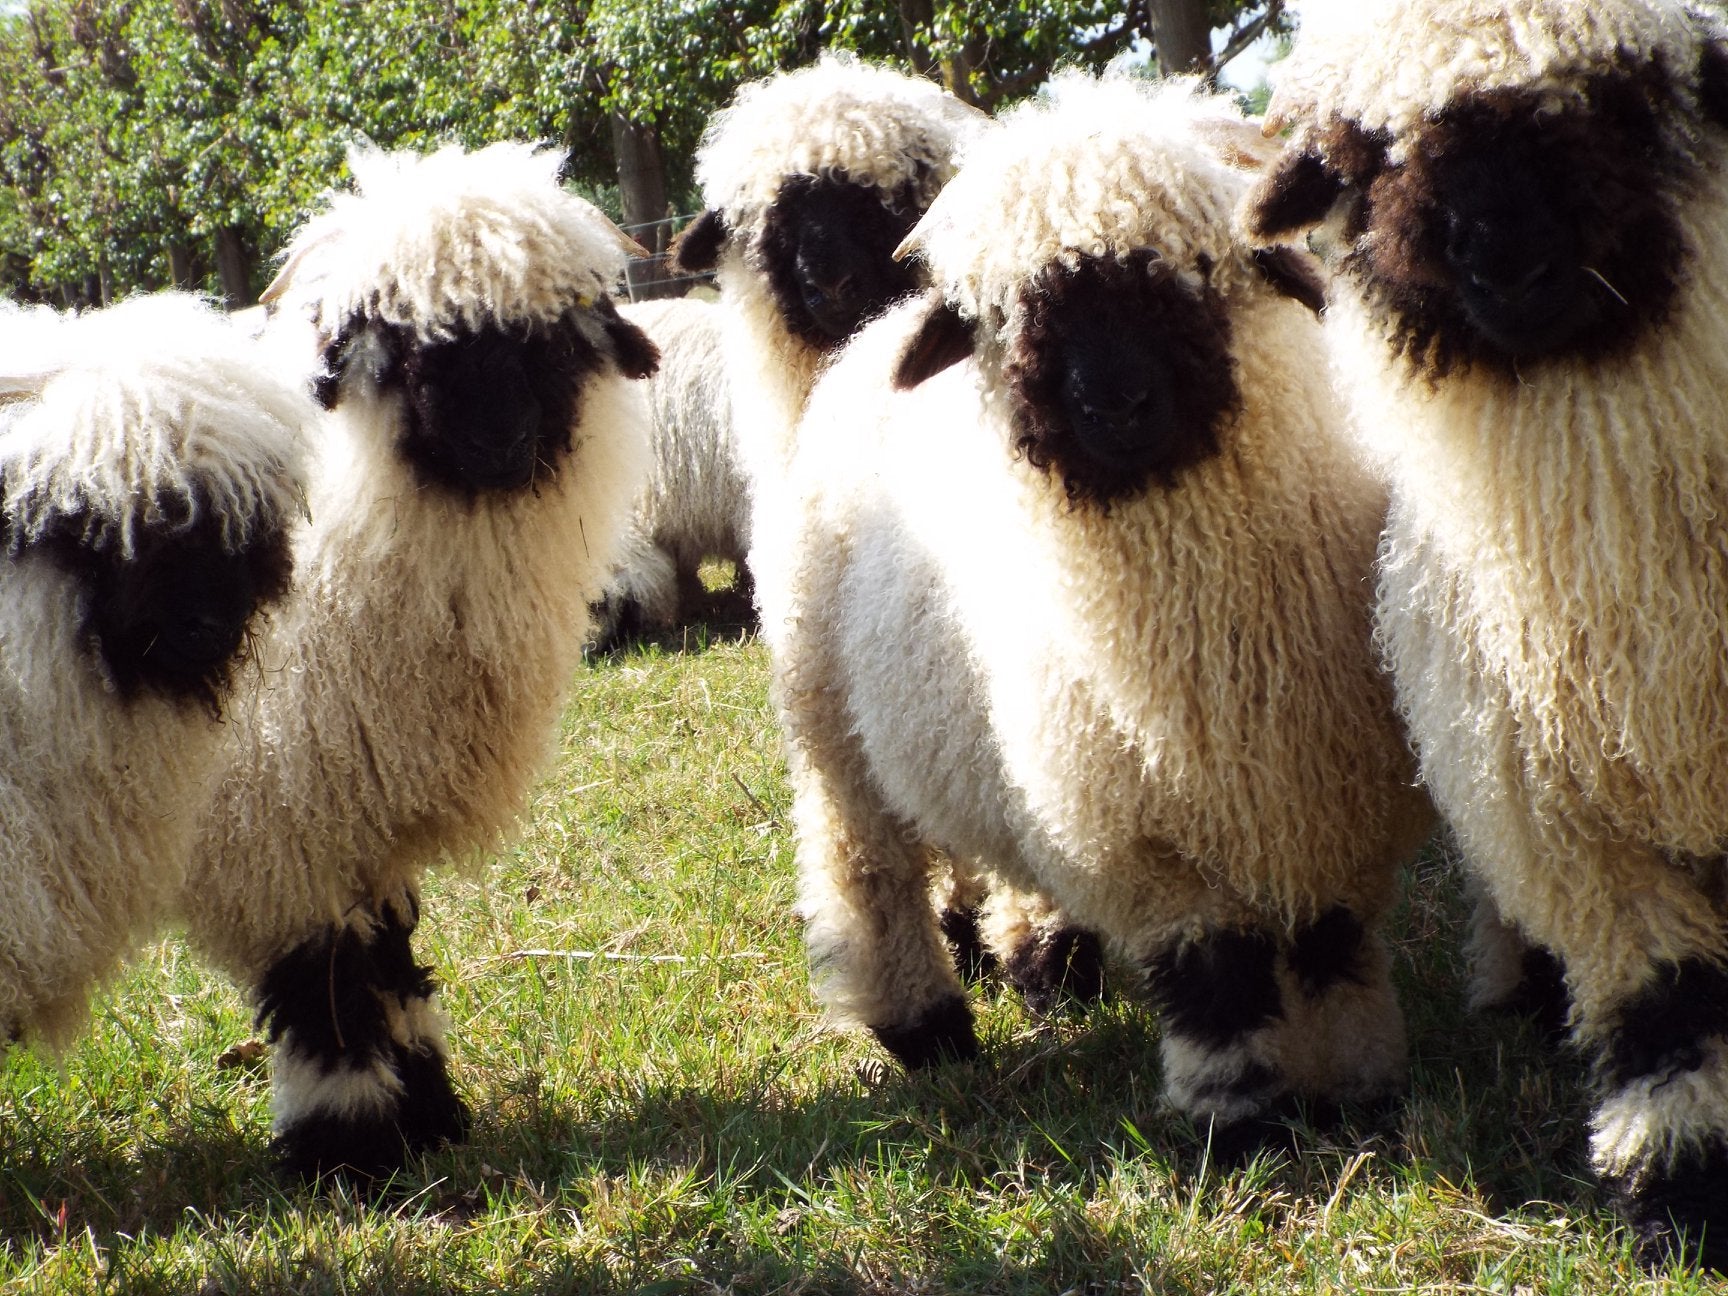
1159 520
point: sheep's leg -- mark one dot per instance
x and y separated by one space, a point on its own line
1221 1005
1510 974
1047 959
361 1079
1659 1132
1645 950
1252 1022
877 955
1342 1036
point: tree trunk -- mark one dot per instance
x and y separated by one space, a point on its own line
233 267
1181 36
642 192
180 267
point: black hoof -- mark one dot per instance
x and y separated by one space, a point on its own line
1058 969
427 1114
1273 1132
942 1033
1681 1216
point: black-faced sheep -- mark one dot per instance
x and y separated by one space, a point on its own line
483 443
1528 204
150 477
1073 580
696 504
811 180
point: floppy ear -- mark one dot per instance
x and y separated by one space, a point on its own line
942 339
1294 196
698 248
1713 82
1292 274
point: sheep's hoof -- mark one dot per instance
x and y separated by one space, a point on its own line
1277 1130
941 1033
367 1146
1682 1215
1057 969
972 957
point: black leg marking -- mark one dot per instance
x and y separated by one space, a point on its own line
972 958
1662 1029
1328 951
1218 988
941 1033
1051 969
328 1003
1541 995
1683 1214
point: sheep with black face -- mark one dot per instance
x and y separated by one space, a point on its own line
484 440
150 479
811 179
1528 204
1074 582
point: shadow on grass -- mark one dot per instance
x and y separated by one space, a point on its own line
723 616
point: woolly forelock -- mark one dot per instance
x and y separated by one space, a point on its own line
1387 66
878 126
146 412
451 240
1105 166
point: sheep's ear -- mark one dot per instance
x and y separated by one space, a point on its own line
698 248
1296 195
1292 274
634 350
942 339
1713 82
638 357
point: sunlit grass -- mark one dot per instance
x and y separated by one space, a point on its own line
659 1108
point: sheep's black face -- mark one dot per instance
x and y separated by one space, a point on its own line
172 616
1513 231
1514 234
1122 375
826 248
487 410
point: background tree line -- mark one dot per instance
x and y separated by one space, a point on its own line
149 143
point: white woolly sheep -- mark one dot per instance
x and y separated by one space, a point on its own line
811 179
1529 208
1075 586
483 444
696 504
150 477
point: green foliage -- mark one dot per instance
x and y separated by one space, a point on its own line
134 133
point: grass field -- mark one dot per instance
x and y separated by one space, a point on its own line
659 1108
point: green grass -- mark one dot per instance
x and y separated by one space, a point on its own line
671 1115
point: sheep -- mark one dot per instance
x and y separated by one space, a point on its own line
696 504
150 478
811 179
1526 207
1072 580
483 443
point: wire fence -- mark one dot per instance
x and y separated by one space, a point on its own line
657 276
